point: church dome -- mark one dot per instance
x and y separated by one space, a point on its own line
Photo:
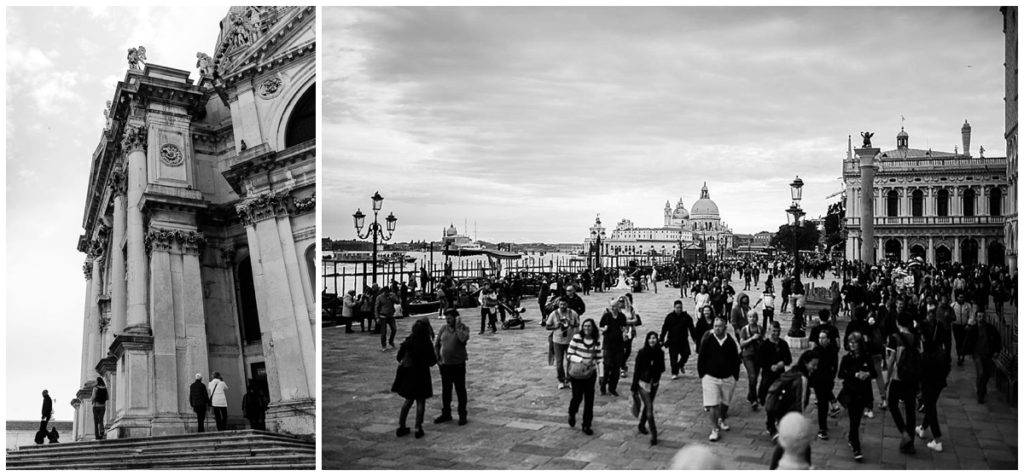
451 231
704 206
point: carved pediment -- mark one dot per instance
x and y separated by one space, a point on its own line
253 39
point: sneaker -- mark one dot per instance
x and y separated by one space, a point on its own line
442 419
588 431
935 445
402 431
868 413
882 405
753 406
419 433
823 435
613 392
714 435
834 411
722 425
920 432
857 455
383 349
561 385
675 377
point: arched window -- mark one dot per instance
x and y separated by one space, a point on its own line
942 203
892 203
969 202
995 202
249 315
302 122
917 203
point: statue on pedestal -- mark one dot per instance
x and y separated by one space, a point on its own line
136 56
205 64
867 139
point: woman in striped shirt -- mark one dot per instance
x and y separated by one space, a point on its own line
585 365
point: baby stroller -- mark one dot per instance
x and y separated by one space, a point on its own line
515 312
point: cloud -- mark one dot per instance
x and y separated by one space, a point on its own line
30 61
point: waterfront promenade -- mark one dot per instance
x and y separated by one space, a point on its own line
517 415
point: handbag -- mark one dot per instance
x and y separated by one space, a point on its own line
635 408
582 370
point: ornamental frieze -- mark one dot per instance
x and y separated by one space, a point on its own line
133 139
171 155
160 239
304 205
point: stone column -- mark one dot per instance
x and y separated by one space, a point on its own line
196 353
983 250
930 254
118 285
904 251
93 351
134 144
956 249
162 286
867 217
87 269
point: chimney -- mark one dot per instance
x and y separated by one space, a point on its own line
965 133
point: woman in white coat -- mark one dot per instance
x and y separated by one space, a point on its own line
219 401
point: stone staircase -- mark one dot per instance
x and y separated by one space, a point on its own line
241 450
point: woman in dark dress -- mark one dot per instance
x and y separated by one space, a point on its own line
650 364
412 380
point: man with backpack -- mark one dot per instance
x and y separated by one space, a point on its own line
903 356
789 393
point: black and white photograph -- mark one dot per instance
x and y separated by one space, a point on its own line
161 246
637 238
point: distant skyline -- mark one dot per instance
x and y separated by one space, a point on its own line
62 66
531 121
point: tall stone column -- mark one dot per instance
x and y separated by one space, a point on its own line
956 250
867 217
162 287
118 285
134 144
94 353
196 353
930 254
983 250
87 269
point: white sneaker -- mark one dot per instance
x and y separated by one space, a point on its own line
920 432
722 425
714 435
561 385
935 445
868 413
675 377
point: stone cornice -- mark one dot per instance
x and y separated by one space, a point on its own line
125 342
107 365
260 159
239 56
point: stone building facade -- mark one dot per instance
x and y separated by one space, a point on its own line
941 206
200 232
1010 65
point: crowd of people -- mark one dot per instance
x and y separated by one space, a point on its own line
904 324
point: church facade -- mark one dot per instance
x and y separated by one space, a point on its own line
200 233
940 206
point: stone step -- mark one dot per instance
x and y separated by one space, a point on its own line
218 448
112 445
266 462
188 437
125 457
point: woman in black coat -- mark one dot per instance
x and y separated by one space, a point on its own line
650 364
412 379
856 371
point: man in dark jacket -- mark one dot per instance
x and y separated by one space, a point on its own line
982 344
199 399
718 365
772 357
254 408
574 301
675 334
47 411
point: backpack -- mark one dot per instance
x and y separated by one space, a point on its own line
909 364
101 395
786 393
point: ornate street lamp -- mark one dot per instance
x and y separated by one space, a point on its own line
375 230
793 217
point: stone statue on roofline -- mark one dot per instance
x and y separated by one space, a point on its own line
136 56
867 139
205 64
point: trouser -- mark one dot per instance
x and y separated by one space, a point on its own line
823 394
728 309
768 377
876 360
959 335
583 391
627 348
746 284
612 358
856 412
767 315
389 321
257 422
220 414
906 391
403 414
677 357
785 302
771 421
647 414
488 318
983 369
43 422
348 323
201 417
753 371
453 376
97 420
930 396
560 350
405 307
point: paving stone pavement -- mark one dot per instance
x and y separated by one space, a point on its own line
517 415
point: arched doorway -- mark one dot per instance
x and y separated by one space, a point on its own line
943 255
996 254
917 251
892 203
893 249
917 203
969 252
248 312
969 203
302 121
995 202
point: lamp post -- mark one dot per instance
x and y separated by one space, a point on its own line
596 245
679 264
793 216
375 230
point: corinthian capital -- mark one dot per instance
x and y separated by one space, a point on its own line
133 138
265 206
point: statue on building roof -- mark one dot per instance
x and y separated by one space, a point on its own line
205 64
981 152
136 56
867 139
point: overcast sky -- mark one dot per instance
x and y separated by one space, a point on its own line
62 66
529 121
